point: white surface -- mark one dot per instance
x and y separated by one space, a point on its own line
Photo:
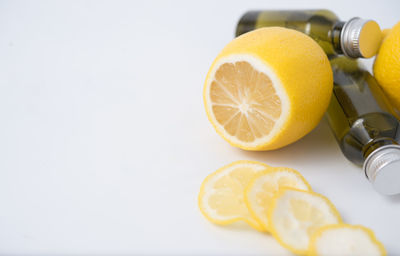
104 141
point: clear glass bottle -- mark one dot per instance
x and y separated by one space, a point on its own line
364 124
354 38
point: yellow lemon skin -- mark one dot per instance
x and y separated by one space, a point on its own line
385 32
387 65
303 70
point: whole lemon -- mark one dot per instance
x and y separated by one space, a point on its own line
387 65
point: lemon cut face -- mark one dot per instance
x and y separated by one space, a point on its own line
246 101
221 197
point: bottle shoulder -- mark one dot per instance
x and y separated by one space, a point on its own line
379 120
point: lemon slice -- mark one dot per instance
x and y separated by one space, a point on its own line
221 197
263 84
294 216
345 240
260 191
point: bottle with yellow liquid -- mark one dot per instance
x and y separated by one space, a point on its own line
356 38
365 125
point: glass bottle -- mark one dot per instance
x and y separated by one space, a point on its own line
364 124
354 38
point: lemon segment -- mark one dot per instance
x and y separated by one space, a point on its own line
295 215
346 240
221 197
260 191
263 84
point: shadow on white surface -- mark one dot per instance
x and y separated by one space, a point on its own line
232 231
315 146
394 199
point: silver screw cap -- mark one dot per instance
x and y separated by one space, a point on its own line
382 168
360 38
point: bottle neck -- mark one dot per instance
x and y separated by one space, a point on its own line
335 36
377 143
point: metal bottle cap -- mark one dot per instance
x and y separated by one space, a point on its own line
360 38
382 168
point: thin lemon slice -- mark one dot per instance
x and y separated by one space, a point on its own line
263 84
260 191
295 215
221 197
345 240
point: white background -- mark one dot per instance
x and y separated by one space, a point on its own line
104 141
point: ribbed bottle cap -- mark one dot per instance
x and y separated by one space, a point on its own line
382 168
360 38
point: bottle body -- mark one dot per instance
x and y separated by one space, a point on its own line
355 38
359 114
362 119
322 25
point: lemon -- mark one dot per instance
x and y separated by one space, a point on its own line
385 32
387 65
221 197
260 191
268 88
295 215
346 240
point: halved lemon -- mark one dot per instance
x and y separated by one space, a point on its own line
260 191
268 88
221 197
346 240
295 215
